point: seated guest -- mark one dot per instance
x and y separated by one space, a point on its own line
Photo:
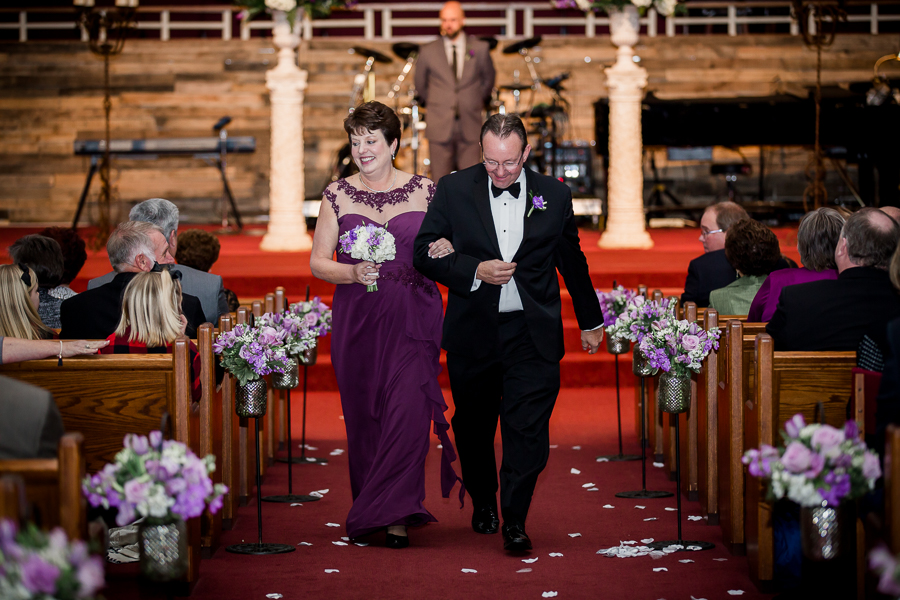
45 258
887 409
817 238
74 256
837 314
133 247
712 270
31 425
151 320
753 250
19 304
205 286
199 249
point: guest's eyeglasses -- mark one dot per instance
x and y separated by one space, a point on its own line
508 165
706 232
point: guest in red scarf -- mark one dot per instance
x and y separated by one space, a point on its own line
152 320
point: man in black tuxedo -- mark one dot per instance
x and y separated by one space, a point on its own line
837 314
511 229
133 247
712 271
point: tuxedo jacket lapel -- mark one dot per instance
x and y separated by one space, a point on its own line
482 201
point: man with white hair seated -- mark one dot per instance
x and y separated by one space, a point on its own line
205 286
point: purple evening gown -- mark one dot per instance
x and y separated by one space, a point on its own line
385 350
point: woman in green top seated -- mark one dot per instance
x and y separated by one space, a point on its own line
753 250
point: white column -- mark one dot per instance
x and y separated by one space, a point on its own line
625 81
286 83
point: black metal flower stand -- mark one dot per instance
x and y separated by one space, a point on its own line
620 457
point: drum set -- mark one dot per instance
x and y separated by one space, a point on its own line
546 120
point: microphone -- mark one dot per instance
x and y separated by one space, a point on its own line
221 123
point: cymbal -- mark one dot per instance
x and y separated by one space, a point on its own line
405 49
514 86
522 45
369 53
491 41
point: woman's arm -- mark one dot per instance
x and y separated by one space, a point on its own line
324 242
17 350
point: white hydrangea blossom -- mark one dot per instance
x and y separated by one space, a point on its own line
285 5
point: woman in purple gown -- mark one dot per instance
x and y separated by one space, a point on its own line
385 344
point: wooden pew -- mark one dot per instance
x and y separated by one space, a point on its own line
708 428
211 432
736 367
787 383
47 491
892 488
107 396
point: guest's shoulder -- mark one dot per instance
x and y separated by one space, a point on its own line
710 259
196 274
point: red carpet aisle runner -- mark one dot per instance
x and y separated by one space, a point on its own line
582 427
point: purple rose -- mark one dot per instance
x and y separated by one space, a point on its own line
827 440
311 319
871 468
39 576
138 444
155 439
690 342
796 458
794 426
90 577
136 491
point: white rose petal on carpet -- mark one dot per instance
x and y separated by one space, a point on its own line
331 525
576 447
304 544
340 543
574 471
628 543
608 506
658 465
602 460
720 559
361 544
325 491
556 554
336 452
332 571
526 570
346 539
659 569
587 485
670 509
549 594
685 560
469 571
297 504
316 495
647 541
594 489
308 447
639 506
695 598
695 518
574 535
554 445
735 592
530 560
274 596
651 519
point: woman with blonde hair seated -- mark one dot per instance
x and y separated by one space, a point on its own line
152 320
19 303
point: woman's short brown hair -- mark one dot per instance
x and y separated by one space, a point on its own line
752 248
373 116
818 236
198 249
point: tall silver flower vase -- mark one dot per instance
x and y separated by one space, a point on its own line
289 379
828 543
162 546
250 399
674 392
640 364
617 345
308 357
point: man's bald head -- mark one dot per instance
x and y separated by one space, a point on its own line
869 239
453 19
891 211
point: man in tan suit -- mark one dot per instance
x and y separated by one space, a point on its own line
454 97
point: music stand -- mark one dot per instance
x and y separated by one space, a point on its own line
221 162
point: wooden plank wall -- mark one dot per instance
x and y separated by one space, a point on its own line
51 94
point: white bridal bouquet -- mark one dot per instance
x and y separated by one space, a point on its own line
369 242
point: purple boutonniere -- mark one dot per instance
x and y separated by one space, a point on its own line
537 202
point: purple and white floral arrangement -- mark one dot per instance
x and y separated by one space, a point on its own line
634 322
613 303
817 464
315 313
677 346
39 565
249 353
886 565
369 242
152 477
298 337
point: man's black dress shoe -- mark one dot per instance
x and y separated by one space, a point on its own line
396 541
485 520
515 539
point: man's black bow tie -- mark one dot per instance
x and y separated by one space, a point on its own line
513 189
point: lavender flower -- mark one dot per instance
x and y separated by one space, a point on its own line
537 203
315 313
614 303
249 353
675 346
885 564
369 242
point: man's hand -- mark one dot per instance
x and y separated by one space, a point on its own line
590 340
495 272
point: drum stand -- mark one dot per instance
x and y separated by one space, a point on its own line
259 548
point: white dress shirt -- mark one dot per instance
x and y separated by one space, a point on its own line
460 45
509 223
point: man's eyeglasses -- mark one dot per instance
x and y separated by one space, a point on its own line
508 165
706 232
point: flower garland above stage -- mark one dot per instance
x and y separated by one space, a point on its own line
663 7
316 9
